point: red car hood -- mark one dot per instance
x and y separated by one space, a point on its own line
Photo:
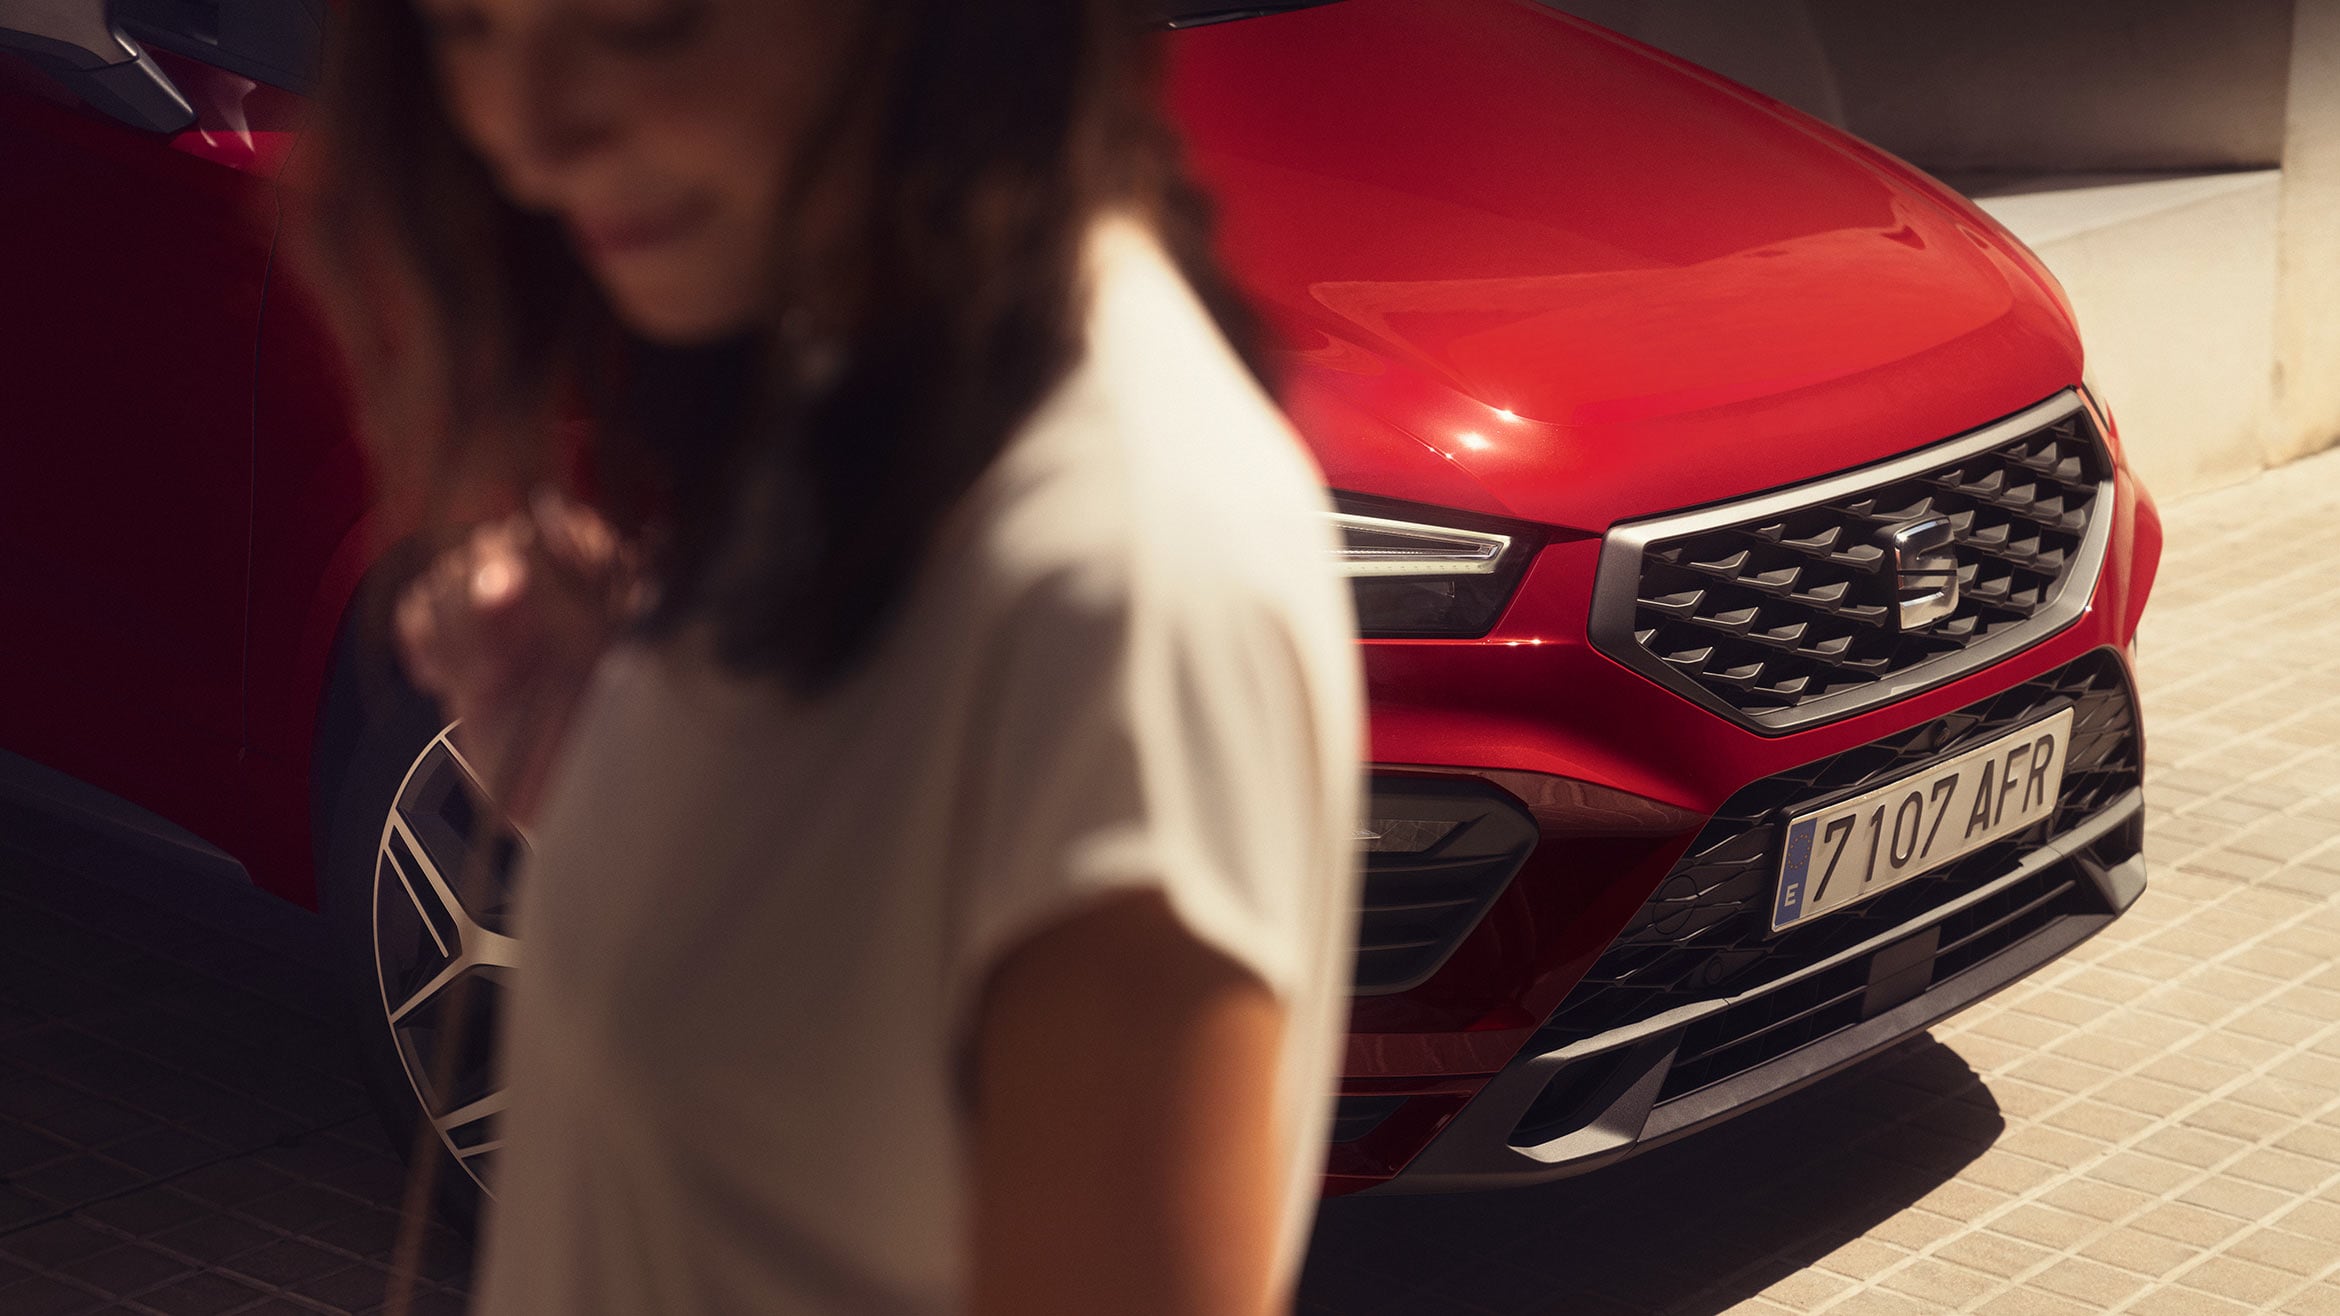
1529 268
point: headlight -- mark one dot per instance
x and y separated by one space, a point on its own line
1418 579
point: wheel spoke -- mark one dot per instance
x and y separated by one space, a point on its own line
485 1108
468 932
414 898
470 1134
491 948
428 992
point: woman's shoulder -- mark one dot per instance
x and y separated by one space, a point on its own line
1160 462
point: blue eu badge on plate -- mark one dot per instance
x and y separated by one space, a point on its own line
1794 872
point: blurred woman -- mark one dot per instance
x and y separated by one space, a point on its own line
927 690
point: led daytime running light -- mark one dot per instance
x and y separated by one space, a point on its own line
1373 546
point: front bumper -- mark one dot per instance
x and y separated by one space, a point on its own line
1589 1103
1695 1010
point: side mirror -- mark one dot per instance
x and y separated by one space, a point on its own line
76 42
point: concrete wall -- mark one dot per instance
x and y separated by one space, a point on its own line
2021 86
2307 377
2035 86
2173 280
1771 45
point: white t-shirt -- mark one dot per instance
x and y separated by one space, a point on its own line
755 925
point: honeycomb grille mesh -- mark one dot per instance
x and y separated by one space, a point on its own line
1706 931
1770 614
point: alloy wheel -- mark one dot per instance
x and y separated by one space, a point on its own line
442 961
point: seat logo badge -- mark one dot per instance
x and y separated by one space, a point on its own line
1923 561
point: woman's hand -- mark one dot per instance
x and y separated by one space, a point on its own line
505 628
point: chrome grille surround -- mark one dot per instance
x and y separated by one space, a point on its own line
1775 612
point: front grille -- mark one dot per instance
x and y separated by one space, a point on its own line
1705 933
1781 611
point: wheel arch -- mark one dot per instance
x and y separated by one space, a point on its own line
344 656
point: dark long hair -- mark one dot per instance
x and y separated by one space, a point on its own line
788 483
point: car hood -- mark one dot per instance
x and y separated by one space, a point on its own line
1526 267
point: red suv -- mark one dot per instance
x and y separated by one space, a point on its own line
1747 577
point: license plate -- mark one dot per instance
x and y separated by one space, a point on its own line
1879 839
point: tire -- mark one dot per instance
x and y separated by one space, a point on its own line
397 806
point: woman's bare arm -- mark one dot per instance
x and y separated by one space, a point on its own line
1126 1155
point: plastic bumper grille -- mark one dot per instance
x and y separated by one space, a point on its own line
1705 932
1452 846
1784 610
1746 1035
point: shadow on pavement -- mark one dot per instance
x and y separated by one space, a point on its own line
181 1125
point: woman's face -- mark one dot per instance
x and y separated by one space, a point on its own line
657 131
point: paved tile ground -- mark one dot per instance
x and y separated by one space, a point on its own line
2151 1126
181 1129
